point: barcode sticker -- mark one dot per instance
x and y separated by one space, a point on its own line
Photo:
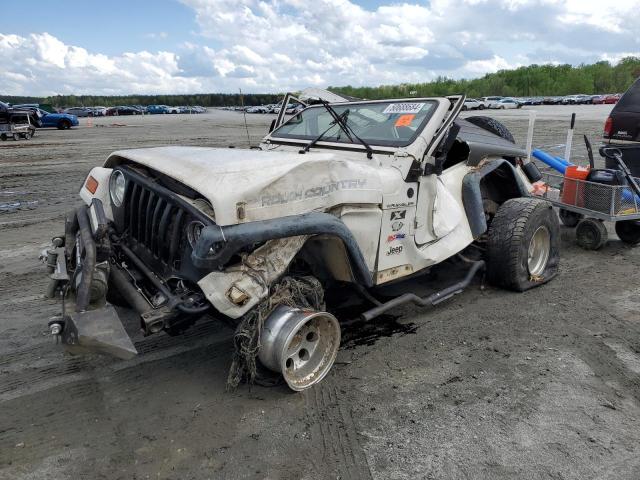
404 108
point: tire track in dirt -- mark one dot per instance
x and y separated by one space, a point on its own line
333 427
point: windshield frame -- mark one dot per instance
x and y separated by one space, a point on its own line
329 142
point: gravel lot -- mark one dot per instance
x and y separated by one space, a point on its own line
490 384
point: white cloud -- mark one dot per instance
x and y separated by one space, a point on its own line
274 45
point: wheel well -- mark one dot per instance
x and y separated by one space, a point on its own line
500 185
486 188
327 258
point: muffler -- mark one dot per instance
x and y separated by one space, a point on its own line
300 344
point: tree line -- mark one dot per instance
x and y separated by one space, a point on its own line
530 81
533 80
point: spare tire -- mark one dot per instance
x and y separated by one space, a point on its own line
492 125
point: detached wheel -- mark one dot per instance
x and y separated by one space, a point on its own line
629 231
16 136
591 234
300 344
523 248
492 125
568 218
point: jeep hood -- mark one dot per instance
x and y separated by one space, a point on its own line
250 185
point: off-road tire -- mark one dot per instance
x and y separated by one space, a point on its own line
3 137
591 234
629 231
509 237
568 218
492 125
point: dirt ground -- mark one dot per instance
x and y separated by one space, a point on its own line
489 385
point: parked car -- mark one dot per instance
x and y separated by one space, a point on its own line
79 111
42 106
256 109
294 109
472 104
173 109
623 124
123 110
157 109
505 103
489 101
552 100
612 99
61 121
99 111
622 130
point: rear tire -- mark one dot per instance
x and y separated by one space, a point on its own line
492 125
523 247
629 231
64 125
591 234
568 218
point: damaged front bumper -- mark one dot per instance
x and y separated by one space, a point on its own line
87 322
89 263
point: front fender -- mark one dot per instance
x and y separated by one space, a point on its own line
503 172
217 244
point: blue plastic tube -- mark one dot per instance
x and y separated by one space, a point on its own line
547 159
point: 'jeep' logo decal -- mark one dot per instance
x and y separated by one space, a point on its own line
394 250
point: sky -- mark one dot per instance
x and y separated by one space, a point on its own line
204 46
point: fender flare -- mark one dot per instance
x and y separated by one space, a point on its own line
472 194
217 244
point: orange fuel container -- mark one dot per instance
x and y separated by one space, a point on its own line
573 186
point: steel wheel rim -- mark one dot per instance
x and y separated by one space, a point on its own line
310 352
539 251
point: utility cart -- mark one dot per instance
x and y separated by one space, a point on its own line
588 197
19 126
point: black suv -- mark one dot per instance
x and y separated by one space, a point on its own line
622 128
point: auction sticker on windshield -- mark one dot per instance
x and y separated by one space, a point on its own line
404 108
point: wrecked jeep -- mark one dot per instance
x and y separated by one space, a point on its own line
352 192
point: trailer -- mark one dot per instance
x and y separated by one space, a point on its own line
18 126
611 195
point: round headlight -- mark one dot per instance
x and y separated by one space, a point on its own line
117 184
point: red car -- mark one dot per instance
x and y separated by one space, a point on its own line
608 99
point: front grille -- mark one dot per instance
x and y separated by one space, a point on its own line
154 219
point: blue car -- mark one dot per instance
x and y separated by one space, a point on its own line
61 121
157 109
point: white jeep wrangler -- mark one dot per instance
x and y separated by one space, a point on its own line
361 193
